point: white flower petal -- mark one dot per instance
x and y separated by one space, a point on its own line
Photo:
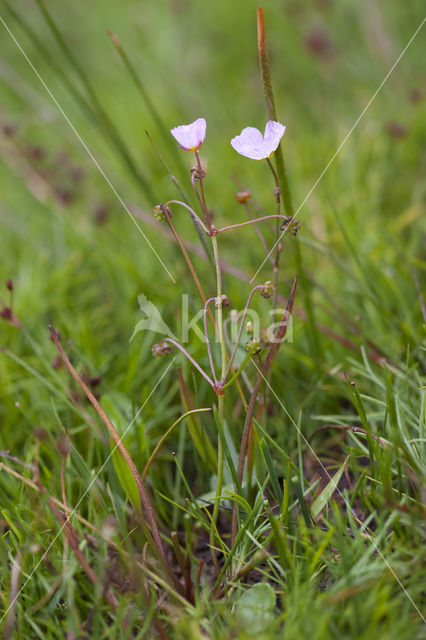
252 144
274 131
190 136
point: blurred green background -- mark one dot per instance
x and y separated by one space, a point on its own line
78 261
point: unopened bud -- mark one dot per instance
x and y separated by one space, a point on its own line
9 284
249 328
268 289
225 302
161 349
6 313
253 346
243 196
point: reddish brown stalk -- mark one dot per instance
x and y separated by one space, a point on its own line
203 198
265 69
147 508
273 350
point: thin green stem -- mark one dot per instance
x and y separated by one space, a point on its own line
219 483
220 400
219 305
191 211
237 373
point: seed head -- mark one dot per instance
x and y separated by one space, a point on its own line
161 349
199 173
290 225
225 302
268 289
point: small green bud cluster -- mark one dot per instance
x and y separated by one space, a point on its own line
253 346
158 212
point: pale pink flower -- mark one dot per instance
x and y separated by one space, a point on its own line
190 136
252 144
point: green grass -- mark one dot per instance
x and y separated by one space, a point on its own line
345 392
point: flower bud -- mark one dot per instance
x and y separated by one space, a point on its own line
9 284
225 302
161 349
243 196
249 328
268 289
253 346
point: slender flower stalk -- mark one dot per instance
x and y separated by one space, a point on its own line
184 252
240 331
191 211
220 399
209 351
191 359
202 196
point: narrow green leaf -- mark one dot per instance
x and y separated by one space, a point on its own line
324 497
